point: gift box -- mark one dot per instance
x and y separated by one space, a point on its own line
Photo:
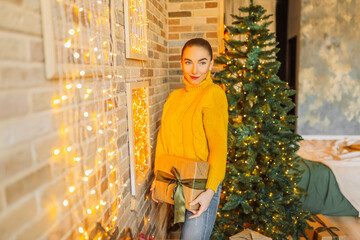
323 229
178 181
249 234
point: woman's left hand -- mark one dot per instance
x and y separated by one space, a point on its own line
204 200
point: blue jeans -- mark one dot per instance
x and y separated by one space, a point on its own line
200 228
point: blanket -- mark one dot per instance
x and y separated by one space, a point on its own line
342 157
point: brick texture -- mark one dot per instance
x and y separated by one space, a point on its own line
36 198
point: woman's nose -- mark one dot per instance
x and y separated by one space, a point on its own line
194 68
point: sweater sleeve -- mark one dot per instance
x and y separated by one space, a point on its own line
215 119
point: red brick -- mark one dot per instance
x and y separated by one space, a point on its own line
180 29
174 21
211 20
179 14
174 36
211 5
211 35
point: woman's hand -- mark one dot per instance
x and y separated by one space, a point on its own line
204 200
152 191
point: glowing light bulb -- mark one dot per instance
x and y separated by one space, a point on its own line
71 31
68 86
81 230
65 203
78 85
67 43
71 189
82 72
89 128
68 149
95 49
56 151
93 191
89 211
63 97
88 172
76 55
57 101
86 114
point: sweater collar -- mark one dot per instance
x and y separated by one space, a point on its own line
193 87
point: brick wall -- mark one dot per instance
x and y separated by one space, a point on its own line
32 183
190 19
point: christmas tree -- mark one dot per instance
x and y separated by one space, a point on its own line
259 190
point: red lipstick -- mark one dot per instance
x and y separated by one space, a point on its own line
194 77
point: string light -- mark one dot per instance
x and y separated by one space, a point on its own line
95 55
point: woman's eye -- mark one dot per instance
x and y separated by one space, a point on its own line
187 63
202 63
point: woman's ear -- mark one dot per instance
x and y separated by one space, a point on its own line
211 64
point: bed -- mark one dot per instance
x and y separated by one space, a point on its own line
331 174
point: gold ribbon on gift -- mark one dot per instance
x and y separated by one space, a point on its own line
178 194
324 228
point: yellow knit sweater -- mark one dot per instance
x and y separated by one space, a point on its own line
194 125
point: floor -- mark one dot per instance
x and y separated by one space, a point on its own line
350 226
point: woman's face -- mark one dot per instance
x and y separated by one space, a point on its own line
196 64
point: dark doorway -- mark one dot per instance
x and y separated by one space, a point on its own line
288 35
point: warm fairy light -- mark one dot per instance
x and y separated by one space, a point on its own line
88 172
141 129
65 203
138 21
71 32
56 151
57 101
67 44
75 54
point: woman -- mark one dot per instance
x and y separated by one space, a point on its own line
194 126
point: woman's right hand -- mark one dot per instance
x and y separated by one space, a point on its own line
152 191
